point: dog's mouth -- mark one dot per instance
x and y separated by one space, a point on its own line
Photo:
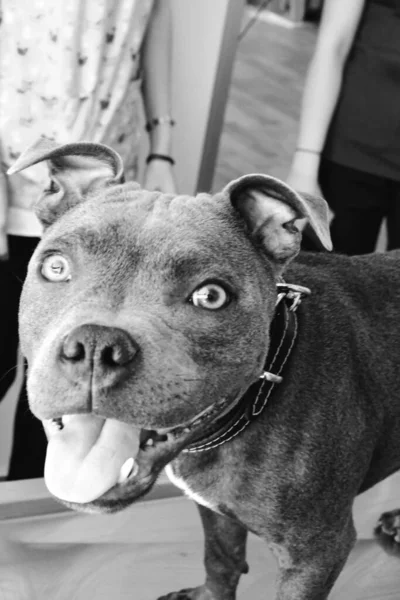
105 464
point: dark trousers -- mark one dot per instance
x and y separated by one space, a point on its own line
360 201
29 442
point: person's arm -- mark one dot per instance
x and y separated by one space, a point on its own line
156 61
339 22
3 214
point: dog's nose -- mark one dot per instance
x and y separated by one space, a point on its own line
91 350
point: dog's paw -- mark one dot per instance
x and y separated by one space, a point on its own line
198 593
387 532
186 594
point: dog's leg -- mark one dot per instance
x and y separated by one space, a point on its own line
308 572
224 559
387 532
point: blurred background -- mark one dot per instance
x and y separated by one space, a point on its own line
276 43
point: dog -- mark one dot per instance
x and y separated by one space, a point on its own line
190 333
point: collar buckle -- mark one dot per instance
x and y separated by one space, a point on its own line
293 293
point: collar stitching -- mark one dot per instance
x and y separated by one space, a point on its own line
256 411
293 294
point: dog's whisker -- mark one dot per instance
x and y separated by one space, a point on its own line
8 372
21 281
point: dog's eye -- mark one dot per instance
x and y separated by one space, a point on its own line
56 268
210 296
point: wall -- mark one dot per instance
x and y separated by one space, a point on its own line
205 34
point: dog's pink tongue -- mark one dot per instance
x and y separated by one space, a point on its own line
84 459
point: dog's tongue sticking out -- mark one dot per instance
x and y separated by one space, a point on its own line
85 458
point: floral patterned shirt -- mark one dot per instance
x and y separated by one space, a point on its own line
69 70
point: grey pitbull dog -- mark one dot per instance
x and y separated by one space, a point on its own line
159 330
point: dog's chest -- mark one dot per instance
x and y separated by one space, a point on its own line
174 478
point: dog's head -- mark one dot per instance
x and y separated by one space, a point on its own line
141 311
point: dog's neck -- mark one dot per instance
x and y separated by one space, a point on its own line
283 335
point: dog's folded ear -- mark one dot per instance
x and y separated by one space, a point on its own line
76 171
275 215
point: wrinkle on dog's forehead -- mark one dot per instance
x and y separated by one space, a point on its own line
152 250
162 247
91 240
152 225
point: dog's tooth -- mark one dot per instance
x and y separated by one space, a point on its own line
186 430
150 442
135 470
128 468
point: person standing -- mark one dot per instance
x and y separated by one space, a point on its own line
349 134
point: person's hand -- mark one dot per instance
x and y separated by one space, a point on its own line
303 174
3 217
159 176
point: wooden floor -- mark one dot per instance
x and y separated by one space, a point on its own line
156 546
260 128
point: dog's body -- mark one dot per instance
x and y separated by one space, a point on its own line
331 429
152 312
336 410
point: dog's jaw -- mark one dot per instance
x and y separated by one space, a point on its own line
149 463
157 449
